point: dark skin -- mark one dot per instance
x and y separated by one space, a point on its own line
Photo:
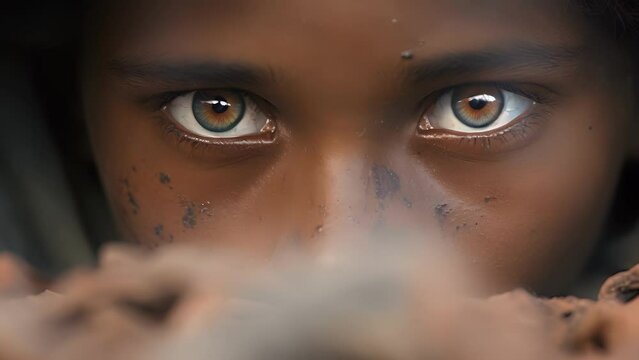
352 142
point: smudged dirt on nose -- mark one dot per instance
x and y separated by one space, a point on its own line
386 181
361 193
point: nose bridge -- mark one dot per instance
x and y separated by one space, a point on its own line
348 201
360 188
357 182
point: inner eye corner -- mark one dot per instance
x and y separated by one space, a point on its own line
424 123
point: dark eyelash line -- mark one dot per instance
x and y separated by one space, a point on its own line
158 101
162 99
537 97
518 131
514 87
180 137
547 97
168 128
165 98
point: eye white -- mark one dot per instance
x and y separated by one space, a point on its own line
442 116
181 110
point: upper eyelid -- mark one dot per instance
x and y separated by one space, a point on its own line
160 100
164 99
542 97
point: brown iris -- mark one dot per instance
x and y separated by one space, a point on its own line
477 106
218 110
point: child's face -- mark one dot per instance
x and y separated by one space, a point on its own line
490 123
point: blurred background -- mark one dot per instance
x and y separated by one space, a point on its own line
52 210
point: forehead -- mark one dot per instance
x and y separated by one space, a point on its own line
160 27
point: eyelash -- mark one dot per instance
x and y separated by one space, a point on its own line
158 101
542 95
170 129
516 132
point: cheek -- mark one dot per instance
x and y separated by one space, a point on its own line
164 191
535 213
160 195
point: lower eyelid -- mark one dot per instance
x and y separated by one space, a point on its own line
516 135
183 137
214 155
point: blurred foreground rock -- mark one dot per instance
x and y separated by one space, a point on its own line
189 303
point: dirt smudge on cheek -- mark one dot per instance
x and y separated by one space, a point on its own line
205 209
163 236
135 207
194 212
442 211
490 198
158 230
164 178
189 219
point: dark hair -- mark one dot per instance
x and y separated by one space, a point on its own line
618 18
619 21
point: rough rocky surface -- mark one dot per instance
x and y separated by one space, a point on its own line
187 303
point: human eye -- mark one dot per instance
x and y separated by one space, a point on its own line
218 113
476 109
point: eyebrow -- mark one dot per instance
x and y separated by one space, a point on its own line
187 73
512 59
449 66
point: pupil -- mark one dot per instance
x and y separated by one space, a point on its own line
220 105
477 104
